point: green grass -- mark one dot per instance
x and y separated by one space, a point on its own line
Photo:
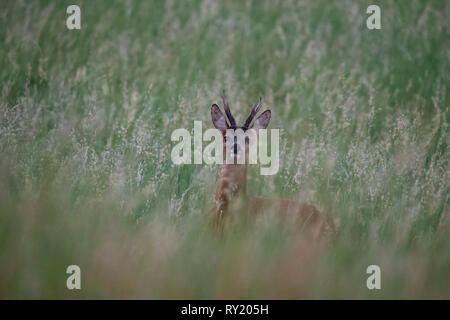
85 170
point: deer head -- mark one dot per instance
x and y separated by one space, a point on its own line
224 123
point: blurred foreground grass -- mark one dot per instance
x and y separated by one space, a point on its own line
85 170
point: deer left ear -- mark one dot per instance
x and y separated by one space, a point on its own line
262 121
218 118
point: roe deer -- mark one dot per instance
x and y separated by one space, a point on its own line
231 194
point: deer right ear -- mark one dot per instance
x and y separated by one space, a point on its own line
262 121
218 118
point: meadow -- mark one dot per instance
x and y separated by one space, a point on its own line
86 176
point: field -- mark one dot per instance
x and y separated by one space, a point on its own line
86 176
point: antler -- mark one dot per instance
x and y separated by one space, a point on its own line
254 111
227 110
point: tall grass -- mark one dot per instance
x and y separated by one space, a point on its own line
85 171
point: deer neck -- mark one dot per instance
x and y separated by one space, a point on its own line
232 184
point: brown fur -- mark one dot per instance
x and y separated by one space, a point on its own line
232 187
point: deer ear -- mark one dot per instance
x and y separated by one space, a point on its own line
218 118
262 121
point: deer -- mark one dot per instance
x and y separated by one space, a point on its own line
231 192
